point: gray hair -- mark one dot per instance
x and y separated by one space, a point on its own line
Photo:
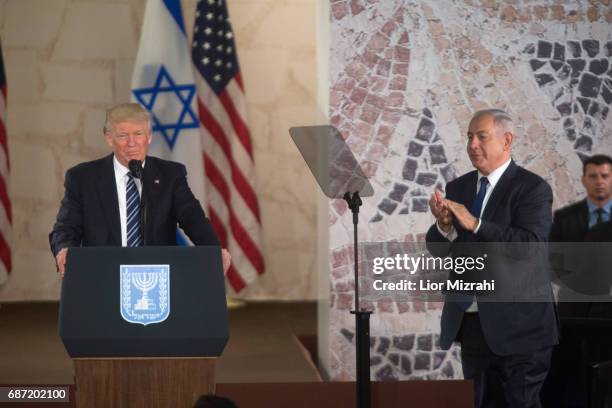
501 118
126 112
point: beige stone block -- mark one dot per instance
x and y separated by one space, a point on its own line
46 119
73 84
270 22
293 185
32 23
264 73
122 74
302 66
93 136
33 278
301 283
290 224
96 30
285 115
260 124
39 223
68 160
22 73
33 170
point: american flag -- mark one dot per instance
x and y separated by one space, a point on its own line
228 152
6 217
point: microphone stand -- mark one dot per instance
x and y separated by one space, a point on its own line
143 210
362 317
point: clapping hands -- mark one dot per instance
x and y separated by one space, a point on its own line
446 210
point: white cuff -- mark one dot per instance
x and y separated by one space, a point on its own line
477 227
450 235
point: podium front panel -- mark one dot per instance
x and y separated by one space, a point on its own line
91 322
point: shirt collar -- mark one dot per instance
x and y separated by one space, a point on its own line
496 174
592 207
120 168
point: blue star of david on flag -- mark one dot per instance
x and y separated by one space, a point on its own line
170 106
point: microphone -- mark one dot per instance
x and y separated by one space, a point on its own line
135 167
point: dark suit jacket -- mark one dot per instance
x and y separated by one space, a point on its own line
600 233
89 212
518 210
571 223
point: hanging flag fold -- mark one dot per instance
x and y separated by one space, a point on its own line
6 214
228 152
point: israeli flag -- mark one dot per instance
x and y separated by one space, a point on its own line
144 293
163 83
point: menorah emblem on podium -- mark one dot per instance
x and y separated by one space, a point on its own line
144 281
144 293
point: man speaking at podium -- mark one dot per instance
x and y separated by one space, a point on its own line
505 347
104 203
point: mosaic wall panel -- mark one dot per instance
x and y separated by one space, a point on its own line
406 77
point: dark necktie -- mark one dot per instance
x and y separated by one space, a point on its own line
134 236
599 212
477 205
465 301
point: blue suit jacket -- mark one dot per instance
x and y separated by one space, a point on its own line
518 210
89 212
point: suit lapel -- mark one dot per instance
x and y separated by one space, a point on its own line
583 217
468 194
107 189
152 183
499 192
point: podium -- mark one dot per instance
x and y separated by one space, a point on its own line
143 325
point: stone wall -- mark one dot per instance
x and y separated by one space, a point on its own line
69 60
406 76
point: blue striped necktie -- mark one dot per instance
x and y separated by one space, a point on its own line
134 235
477 205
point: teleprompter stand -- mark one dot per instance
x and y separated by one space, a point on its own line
339 175
362 317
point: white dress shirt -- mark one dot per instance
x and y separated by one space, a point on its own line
121 178
493 178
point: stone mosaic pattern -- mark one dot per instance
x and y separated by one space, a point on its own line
409 357
426 167
577 75
406 77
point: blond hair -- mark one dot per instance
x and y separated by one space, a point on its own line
126 112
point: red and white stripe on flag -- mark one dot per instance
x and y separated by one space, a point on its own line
233 207
6 216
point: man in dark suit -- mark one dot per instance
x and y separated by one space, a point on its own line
101 204
585 220
572 223
505 347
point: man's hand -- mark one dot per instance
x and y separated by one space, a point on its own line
439 209
462 214
60 261
226 258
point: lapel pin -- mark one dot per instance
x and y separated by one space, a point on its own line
156 181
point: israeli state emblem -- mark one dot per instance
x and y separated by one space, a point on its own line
145 293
